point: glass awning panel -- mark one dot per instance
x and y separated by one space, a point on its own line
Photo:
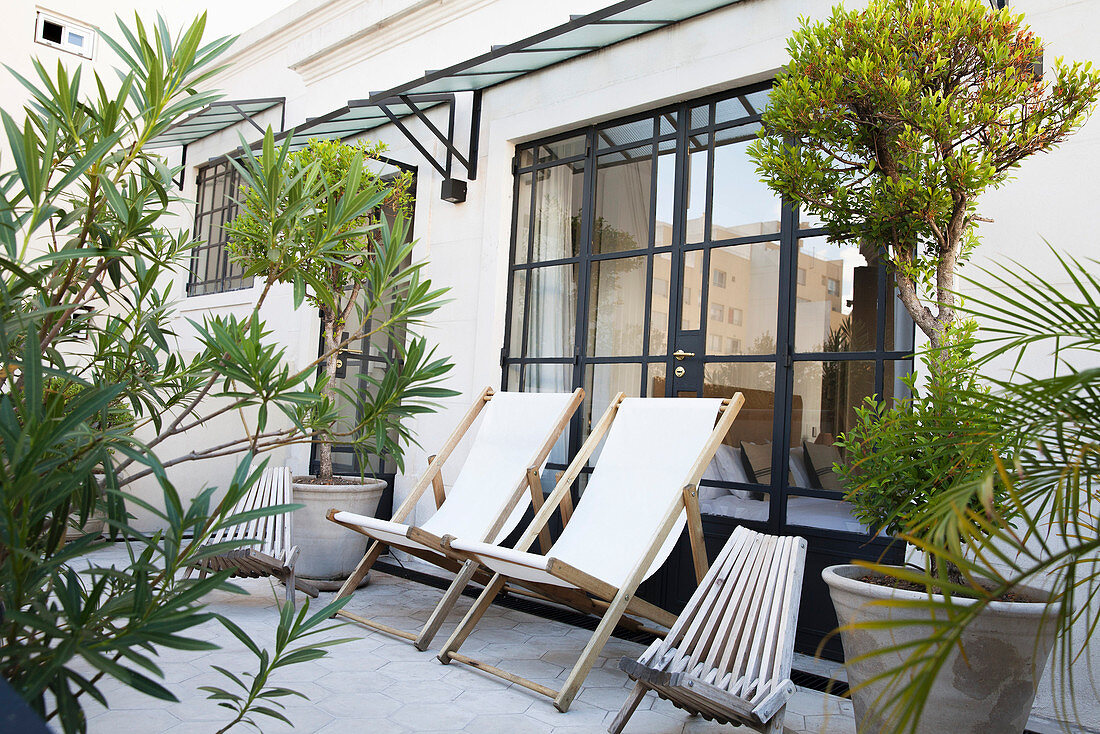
214 118
581 35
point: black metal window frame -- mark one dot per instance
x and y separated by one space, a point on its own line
210 270
514 359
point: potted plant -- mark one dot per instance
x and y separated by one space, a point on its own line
889 123
364 289
1041 531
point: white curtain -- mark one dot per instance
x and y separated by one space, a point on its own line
553 289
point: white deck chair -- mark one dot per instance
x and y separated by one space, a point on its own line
275 554
487 500
728 657
640 495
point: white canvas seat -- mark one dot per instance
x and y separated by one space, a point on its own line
275 554
494 487
637 501
728 657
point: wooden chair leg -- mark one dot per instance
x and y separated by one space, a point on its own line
588 658
632 701
445 605
471 619
352 582
202 573
289 583
775 726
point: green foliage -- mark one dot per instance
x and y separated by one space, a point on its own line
1045 531
253 694
901 457
316 218
92 383
890 122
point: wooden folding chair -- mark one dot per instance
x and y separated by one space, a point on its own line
636 502
276 553
486 501
728 657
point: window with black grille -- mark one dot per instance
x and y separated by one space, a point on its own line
211 269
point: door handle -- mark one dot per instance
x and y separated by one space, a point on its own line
681 354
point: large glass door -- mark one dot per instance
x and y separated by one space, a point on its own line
649 259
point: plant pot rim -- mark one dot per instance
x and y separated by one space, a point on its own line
842 576
306 480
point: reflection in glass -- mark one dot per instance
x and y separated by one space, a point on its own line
658 323
745 455
695 216
547 377
747 300
515 328
655 383
616 310
625 134
691 301
562 149
666 193
552 323
624 181
837 299
523 217
743 206
557 212
602 383
815 512
826 397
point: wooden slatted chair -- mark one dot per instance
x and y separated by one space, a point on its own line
631 514
276 553
728 657
496 485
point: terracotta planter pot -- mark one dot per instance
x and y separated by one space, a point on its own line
989 689
330 552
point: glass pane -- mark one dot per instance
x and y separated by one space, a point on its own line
631 132
694 218
700 116
837 298
745 454
562 149
658 324
892 384
899 326
758 101
728 110
826 395
623 185
666 193
743 206
547 378
815 512
526 157
616 311
511 378
667 124
552 325
602 383
523 218
655 384
557 212
691 299
744 299
515 328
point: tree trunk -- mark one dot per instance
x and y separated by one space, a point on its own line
331 340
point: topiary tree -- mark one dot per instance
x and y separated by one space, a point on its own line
889 124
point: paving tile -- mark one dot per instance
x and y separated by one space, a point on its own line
420 716
501 700
423 691
652 722
366 706
506 724
830 724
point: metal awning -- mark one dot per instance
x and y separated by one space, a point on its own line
581 35
213 118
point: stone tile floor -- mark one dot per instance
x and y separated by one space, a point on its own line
380 685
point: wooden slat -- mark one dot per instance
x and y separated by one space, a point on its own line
695 532
438 489
535 485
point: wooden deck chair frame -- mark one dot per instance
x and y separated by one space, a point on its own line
728 657
438 555
592 595
275 554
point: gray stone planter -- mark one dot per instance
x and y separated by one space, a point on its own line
990 689
329 552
